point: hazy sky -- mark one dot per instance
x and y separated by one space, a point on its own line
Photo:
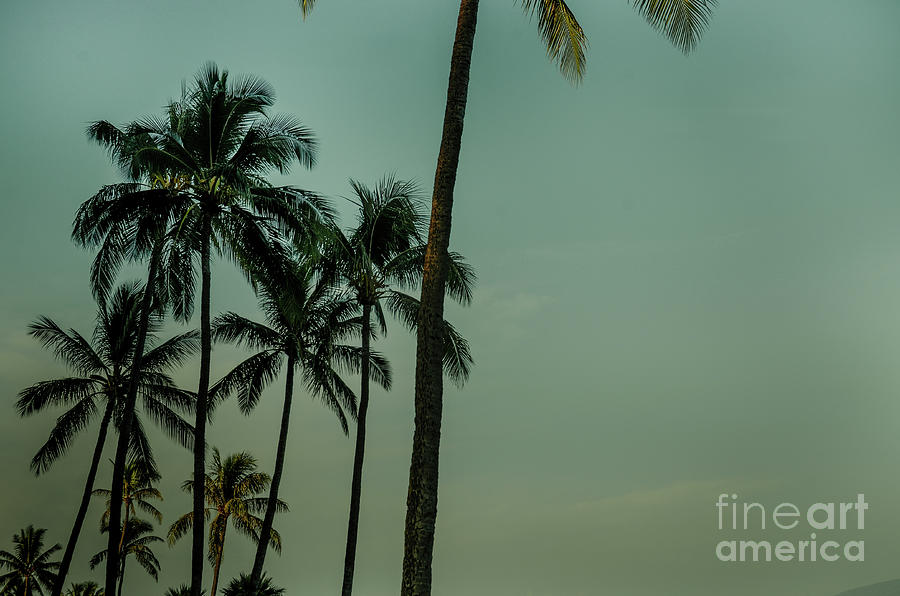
689 282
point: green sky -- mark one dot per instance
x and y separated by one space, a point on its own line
689 281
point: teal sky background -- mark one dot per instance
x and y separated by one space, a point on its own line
689 281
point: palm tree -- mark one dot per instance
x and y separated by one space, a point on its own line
137 490
245 585
103 374
87 588
128 221
682 21
29 568
182 590
219 143
231 489
137 542
305 321
384 250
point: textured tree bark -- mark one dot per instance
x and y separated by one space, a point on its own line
115 499
85 500
269 518
200 421
358 456
421 503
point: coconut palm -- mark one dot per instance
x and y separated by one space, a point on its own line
128 222
137 543
245 585
682 21
137 491
232 486
29 568
381 253
219 142
103 374
182 590
87 588
305 322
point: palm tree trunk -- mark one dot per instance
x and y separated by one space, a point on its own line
85 500
218 565
121 574
124 525
115 499
200 423
358 456
421 502
269 518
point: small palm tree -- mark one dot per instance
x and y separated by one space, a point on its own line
245 585
305 321
182 590
103 374
29 568
137 543
383 254
88 588
232 486
137 490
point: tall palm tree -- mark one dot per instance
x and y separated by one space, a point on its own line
137 491
128 221
682 21
232 486
29 568
219 142
383 252
103 376
137 542
87 588
305 322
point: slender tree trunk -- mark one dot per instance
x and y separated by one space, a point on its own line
124 525
115 499
85 500
121 575
269 518
218 565
421 503
200 423
358 456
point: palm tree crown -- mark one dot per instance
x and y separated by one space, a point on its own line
232 486
29 568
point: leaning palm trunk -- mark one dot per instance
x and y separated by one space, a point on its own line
121 572
269 518
218 566
356 484
421 503
115 503
85 501
200 423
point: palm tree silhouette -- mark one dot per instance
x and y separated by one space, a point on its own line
137 490
382 252
103 376
245 585
306 319
136 542
231 488
218 143
30 570
87 588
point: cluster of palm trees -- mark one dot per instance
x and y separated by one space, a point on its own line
196 186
